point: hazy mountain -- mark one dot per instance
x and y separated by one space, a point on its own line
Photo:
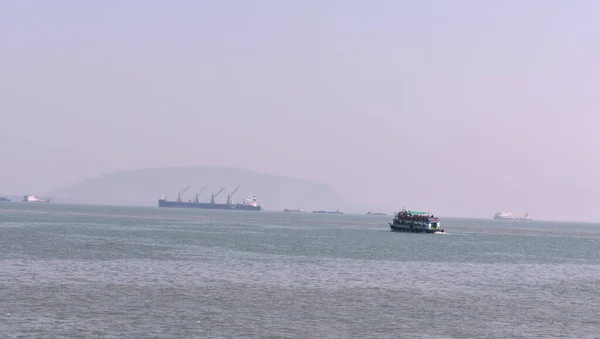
145 186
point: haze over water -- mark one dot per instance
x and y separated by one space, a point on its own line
464 107
130 272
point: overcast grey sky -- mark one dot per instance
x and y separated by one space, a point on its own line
459 107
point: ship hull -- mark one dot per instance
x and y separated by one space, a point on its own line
405 228
208 206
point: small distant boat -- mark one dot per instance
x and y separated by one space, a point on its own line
375 213
329 212
416 222
7 199
293 210
526 217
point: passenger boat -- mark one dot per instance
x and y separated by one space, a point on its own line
416 222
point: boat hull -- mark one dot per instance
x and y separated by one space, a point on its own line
503 218
208 206
408 229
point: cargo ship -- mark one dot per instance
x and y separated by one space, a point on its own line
250 203
329 212
293 210
375 213
415 222
6 199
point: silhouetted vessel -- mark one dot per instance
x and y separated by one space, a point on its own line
375 213
415 222
250 203
329 212
293 210
526 217
6 199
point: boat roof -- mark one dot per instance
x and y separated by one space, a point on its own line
415 212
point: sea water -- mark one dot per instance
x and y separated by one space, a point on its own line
72 271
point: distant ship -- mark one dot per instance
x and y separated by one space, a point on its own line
4 199
329 212
293 210
504 215
510 216
375 213
33 198
526 217
250 203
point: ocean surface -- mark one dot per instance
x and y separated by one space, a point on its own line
71 271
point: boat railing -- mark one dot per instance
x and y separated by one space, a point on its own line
409 218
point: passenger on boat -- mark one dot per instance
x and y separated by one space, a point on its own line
408 216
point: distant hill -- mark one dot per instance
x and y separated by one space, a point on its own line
145 186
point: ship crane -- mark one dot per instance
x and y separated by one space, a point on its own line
179 194
231 195
198 194
213 196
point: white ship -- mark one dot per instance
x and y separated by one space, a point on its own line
508 215
33 198
504 215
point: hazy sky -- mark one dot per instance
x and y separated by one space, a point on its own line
458 107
